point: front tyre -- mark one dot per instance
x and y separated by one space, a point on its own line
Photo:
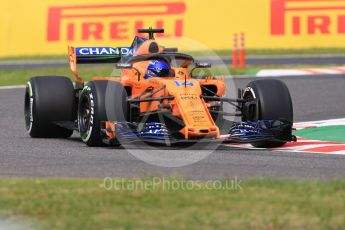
100 101
49 100
273 103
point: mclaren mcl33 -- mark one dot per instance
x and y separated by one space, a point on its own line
156 98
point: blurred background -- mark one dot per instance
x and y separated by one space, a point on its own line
278 37
46 27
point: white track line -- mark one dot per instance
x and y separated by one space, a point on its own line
13 87
321 123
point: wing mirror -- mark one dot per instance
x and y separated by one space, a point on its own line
200 65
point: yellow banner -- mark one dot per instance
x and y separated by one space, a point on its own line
41 27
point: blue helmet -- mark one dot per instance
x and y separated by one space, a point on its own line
157 68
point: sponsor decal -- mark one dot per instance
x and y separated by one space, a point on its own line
31 110
31 114
92 112
183 83
125 51
97 51
124 65
189 96
31 107
118 21
310 17
198 118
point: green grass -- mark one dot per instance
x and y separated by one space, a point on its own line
225 52
256 204
62 57
327 133
21 76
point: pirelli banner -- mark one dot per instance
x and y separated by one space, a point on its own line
44 27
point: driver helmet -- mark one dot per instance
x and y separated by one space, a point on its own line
157 68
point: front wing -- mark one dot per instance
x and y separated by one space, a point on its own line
116 133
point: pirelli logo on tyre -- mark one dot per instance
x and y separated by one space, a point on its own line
311 17
118 21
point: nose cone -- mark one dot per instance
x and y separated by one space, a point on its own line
192 109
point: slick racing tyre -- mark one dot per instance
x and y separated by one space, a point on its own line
273 103
49 100
100 101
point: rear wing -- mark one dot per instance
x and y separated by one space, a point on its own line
99 55
95 55
87 55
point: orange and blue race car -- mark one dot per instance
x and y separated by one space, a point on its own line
157 98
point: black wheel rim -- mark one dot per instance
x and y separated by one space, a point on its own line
84 114
252 116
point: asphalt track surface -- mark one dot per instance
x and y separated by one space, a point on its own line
314 98
250 60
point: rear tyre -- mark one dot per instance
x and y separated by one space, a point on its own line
273 103
100 101
49 100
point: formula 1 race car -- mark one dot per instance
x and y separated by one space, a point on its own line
156 98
